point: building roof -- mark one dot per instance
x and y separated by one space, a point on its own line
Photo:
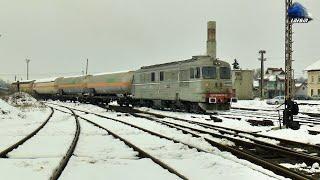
313 67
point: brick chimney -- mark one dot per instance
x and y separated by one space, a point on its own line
211 39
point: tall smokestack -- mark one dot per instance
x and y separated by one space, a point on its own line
211 39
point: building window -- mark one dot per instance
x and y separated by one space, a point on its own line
318 79
191 73
312 79
153 76
311 92
318 91
161 76
197 73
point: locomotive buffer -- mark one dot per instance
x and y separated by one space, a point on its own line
295 13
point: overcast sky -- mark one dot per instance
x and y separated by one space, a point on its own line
116 35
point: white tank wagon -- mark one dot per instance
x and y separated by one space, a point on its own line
118 83
24 86
45 86
72 85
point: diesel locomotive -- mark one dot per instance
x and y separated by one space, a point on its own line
198 84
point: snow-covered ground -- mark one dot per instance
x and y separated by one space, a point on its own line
189 162
15 124
39 156
99 155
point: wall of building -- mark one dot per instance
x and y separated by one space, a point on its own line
242 82
302 90
313 83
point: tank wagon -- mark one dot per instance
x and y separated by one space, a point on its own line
45 87
72 85
25 86
196 84
118 83
108 87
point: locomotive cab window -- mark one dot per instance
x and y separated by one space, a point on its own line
161 75
191 73
153 77
197 75
224 73
209 72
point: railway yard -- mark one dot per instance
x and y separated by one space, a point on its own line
121 90
72 140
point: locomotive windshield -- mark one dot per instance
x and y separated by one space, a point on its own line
224 73
209 72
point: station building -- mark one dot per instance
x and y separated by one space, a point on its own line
313 79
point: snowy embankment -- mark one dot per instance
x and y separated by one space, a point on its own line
193 164
15 124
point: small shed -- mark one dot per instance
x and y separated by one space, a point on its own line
242 83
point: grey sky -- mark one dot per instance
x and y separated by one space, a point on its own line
115 35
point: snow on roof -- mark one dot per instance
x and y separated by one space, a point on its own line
255 83
314 66
298 84
272 78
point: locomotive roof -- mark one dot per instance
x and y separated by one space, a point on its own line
193 59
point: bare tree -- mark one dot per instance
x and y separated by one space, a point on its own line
257 73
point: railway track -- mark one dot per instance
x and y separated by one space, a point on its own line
141 153
271 115
4 153
58 170
64 161
254 147
257 151
312 115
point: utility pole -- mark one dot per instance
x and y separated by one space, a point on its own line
262 59
28 61
87 66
